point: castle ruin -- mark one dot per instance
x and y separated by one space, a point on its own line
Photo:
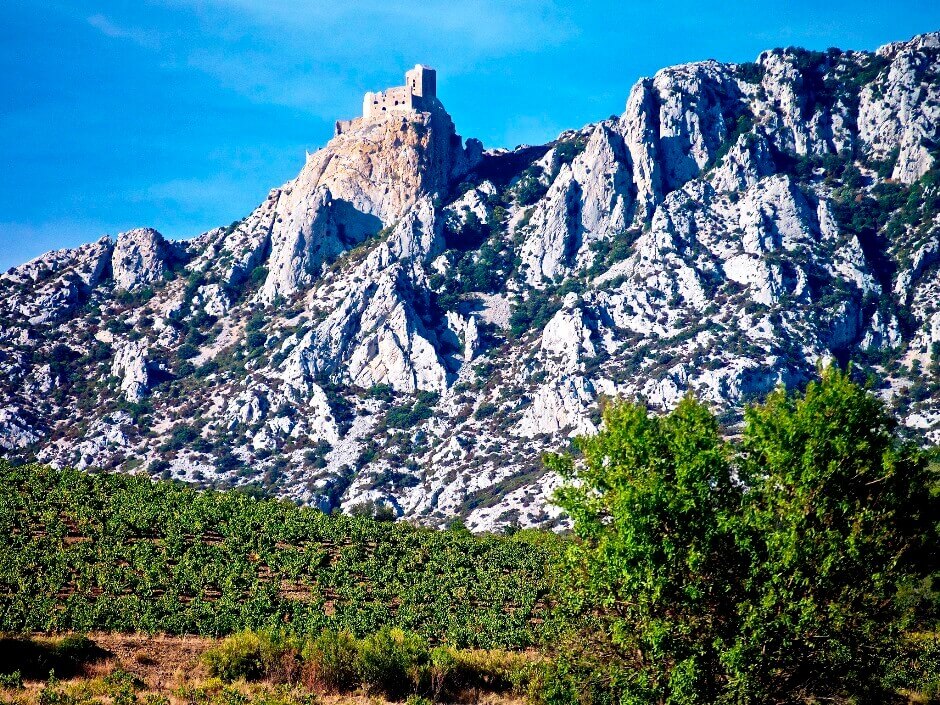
419 94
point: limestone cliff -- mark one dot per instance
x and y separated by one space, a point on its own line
412 321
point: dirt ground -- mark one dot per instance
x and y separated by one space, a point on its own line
169 664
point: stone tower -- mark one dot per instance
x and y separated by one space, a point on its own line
422 80
419 94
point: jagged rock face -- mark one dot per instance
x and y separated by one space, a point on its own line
15 431
51 287
140 257
383 166
374 332
550 249
747 162
588 200
693 101
130 365
300 247
365 179
900 111
602 173
414 323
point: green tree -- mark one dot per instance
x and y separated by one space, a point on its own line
765 569
654 504
837 519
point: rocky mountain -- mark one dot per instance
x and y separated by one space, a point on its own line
413 320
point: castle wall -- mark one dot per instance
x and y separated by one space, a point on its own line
397 99
344 126
419 92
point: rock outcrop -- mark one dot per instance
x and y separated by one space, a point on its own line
140 257
899 112
131 367
412 322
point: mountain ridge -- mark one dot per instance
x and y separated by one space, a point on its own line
412 320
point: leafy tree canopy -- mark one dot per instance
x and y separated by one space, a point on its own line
765 568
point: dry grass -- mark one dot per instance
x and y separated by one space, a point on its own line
172 668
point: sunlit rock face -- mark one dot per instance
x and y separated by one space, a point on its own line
412 321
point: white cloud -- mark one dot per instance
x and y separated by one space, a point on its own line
195 194
107 27
267 78
319 57
478 25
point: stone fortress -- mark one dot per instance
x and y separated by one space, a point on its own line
419 94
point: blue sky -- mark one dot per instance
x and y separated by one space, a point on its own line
182 114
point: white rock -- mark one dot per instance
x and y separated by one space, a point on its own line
140 257
130 364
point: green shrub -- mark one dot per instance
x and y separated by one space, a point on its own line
258 275
786 592
751 72
530 188
494 670
486 410
246 655
186 351
393 662
451 672
52 695
417 700
565 681
213 692
916 667
154 699
282 696
255 339
443 671
532 313
406 415
182 436
12 681
120 681
565 153
331 662
382 392
77 648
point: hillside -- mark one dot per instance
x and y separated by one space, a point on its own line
413 320
794 561
108 552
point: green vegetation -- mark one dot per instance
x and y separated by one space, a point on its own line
530 187
609 251
480 256
214 692
751 72
392 663
407 415
743 125
791 563
246 655
565 152
764 569
112 552
331 661
532 313
269 667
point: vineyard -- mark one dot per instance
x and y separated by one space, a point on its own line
111 552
